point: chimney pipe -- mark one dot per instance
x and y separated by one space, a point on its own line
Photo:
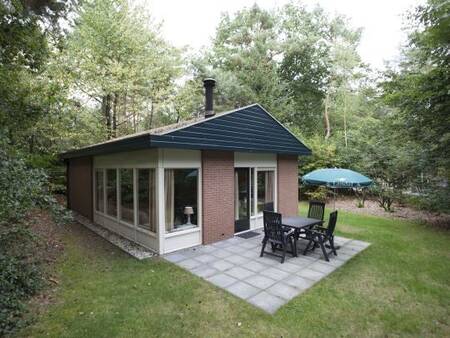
209 84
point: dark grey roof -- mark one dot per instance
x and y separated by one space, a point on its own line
246 129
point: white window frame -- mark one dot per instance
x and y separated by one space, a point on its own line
102 170
199 201
275 190
117 218
119 191
254 197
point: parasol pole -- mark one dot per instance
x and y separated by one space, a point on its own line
334 199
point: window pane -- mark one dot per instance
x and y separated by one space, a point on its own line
265 190
99 196
126 195
252 191
147 199
111 192
180 192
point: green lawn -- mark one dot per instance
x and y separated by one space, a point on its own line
399 286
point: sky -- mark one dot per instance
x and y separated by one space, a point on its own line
193 23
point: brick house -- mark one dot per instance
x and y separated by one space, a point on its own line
190 183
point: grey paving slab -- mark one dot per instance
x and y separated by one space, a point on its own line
234 265
222 265
254 266
221 253
267 302
275 273
311 274
190 252
204 271
301 261
347 253
175 257
207 249
336 262
239 273
298 282
242 290
251 253
260 281
189 263
289 267
207 258
237 259
321 267
222 280
221 244
249 244
341 240
268 260
282 290
235 249
343 257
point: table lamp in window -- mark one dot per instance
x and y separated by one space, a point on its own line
188 211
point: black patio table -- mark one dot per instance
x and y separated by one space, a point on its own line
298 223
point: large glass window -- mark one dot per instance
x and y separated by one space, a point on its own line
111 192
180 187
252 191
126 195
99 191
147 199
265 191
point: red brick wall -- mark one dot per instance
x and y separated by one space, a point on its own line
218 195
288 184
79 186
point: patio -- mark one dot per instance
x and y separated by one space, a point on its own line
234 265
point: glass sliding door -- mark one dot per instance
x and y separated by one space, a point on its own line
242 189
265 190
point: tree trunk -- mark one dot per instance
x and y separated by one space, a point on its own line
114 119
106 111
345 122
326 118
151 115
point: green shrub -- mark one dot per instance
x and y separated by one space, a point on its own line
20 274
436 200
318 194
22 189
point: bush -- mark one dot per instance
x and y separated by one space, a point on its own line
20 274
386 195
435 200
22 189
318 194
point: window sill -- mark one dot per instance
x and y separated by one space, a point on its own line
128 225
145 231
183 231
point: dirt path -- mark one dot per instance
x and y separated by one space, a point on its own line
402 212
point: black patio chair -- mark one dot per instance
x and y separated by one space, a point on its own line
316 210
275 234
320 237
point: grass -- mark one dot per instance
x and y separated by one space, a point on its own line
399 286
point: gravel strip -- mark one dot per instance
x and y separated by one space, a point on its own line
131 248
